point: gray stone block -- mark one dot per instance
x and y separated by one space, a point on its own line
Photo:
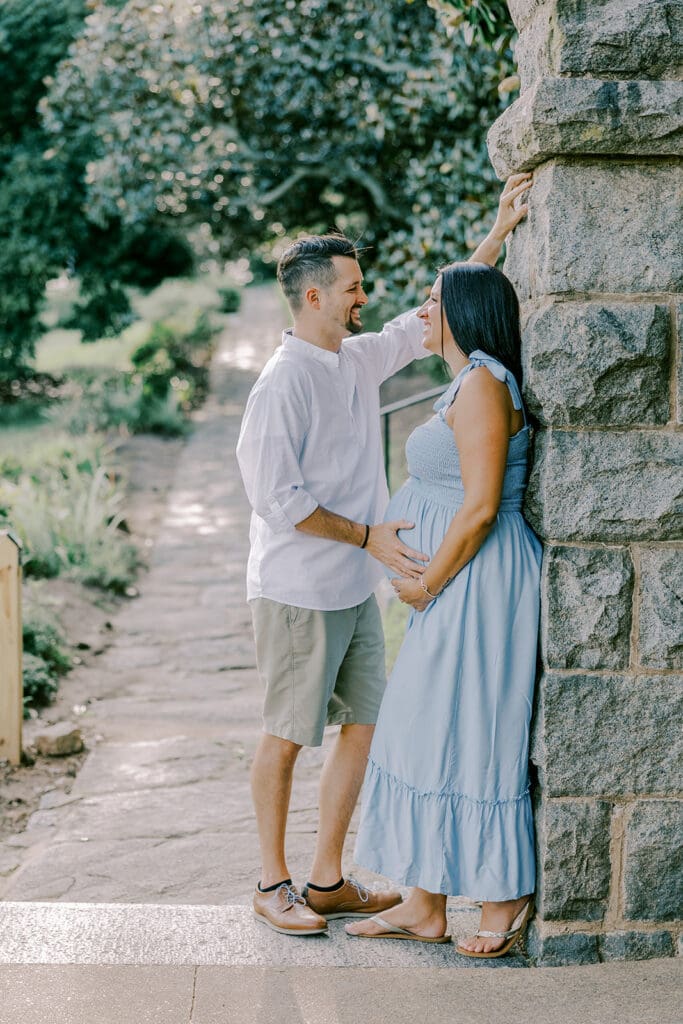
608 735
609 39
577 208
635 945
574 860
679 362
586 614
660 635
654 861
574 116
594 363
609 487
561 950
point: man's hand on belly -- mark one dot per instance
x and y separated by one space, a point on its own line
384 545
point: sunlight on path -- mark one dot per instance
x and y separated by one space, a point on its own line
262 318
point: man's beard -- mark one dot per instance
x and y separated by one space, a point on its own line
354 326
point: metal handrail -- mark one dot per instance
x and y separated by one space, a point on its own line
404 403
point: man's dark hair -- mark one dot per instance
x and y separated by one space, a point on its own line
308 261
482 311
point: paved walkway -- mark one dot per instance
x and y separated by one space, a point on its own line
160 812
132 899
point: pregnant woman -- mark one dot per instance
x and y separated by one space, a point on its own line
446 804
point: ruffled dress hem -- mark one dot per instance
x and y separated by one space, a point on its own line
446 842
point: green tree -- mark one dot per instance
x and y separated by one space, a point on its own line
35 202
43 226
245 121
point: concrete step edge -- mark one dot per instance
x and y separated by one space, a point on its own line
202 935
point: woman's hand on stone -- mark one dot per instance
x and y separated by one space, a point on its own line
385 545
510 215
411 592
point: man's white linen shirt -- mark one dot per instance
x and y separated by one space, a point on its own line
311 436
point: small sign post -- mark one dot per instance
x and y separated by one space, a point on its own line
11 687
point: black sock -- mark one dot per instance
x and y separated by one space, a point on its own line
326 888
272 888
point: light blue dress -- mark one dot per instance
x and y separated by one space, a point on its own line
446 803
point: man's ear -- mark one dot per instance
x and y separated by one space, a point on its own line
312 298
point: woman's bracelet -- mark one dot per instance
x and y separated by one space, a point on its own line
367 534
426 590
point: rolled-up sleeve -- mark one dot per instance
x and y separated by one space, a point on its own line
397 344
269 452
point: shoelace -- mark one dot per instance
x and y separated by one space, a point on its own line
363 893
291 895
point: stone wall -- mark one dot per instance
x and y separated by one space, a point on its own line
598 266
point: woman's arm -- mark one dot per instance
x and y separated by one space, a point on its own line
481 426
507 219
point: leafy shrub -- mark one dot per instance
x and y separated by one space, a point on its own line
68 518
44 657
201 333
231 299
173 363
120 403
100 401
104 314
40 683
170 378
43 638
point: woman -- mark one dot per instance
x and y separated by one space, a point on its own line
446 805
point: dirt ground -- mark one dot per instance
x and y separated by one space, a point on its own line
147 465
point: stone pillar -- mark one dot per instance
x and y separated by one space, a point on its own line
598 266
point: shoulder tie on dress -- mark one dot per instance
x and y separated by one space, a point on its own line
494 366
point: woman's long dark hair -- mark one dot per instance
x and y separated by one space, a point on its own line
482 311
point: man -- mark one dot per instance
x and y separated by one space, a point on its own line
310 454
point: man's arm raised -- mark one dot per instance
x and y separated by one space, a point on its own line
507 219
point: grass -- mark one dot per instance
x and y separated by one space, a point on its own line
394 619
64 503
177 301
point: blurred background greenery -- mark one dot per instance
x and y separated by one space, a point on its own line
141 141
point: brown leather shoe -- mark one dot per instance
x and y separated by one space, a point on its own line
351 900
284 910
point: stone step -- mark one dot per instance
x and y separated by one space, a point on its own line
118 934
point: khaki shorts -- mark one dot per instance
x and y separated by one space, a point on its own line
319 668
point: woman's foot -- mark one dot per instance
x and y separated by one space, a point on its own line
426 918
495 917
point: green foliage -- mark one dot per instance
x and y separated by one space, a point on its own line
43 226
171 360
67 510
170 378
231 299
43 638
40 684
483 21
44 656
38 197
34 37
236 123
105 313
246 122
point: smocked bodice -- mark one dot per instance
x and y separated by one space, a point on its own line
432 455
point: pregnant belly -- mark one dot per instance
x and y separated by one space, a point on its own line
405 505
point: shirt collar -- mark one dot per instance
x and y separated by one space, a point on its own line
323 355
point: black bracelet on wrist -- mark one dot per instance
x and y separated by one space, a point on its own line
367 534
